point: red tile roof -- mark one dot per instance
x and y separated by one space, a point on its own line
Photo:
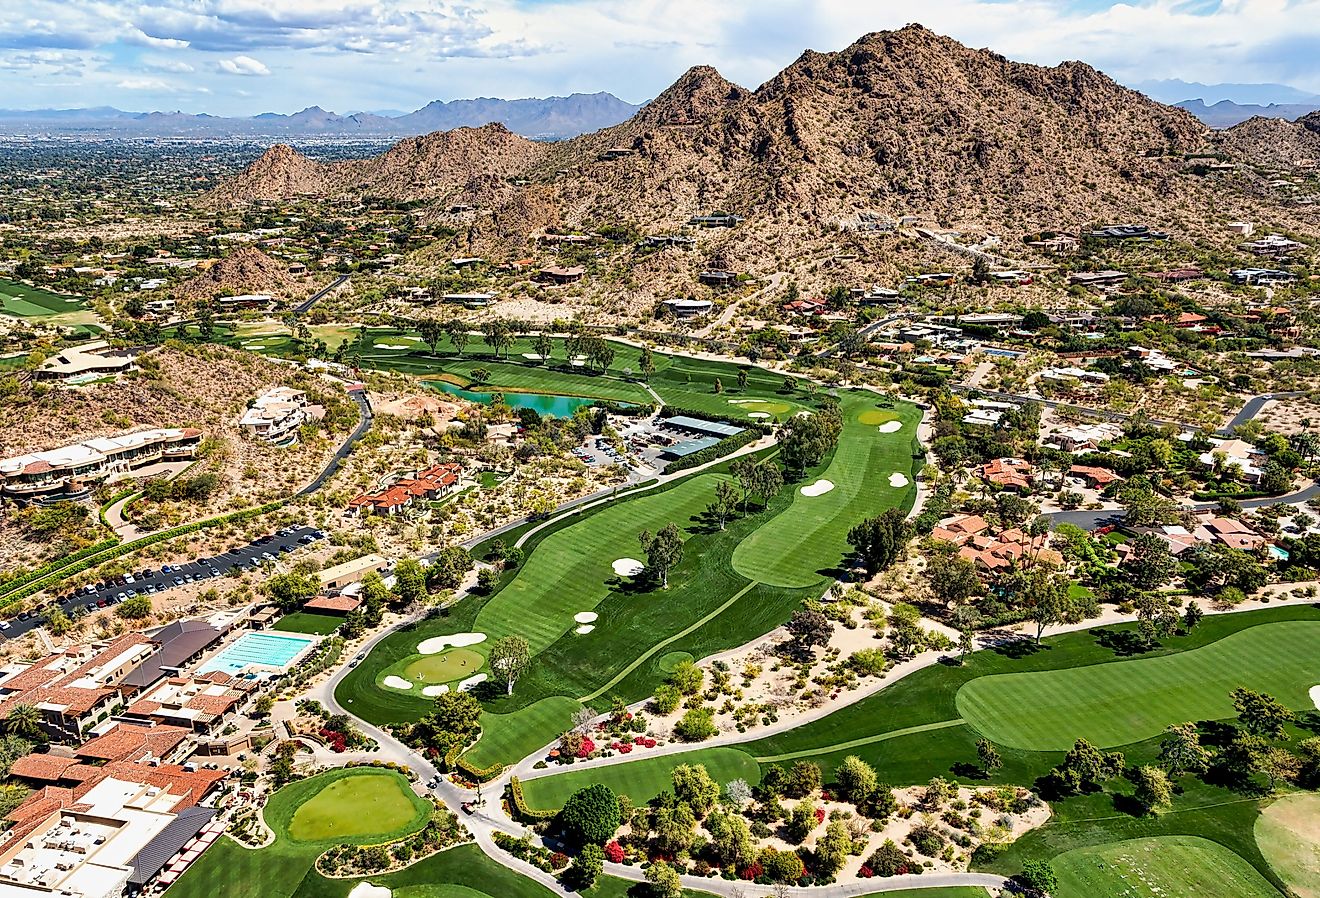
333 603
131 742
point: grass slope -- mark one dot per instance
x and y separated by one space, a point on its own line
643 779
1127 701
1159 868
809 542
1288 833
354 806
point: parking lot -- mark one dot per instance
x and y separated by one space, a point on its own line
150 581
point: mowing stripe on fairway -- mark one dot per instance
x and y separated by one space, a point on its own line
792 549
865 740
1120 702
659 645
1158 866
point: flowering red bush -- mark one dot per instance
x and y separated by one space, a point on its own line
752 871
820 815
865 872
825 795
558 860
614 852
625 748
586 748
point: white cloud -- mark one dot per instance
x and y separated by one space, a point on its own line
242 65
154 84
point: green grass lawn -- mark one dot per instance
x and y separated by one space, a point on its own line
309 622
808 543
1127 701
353 806
22 301
1288 833
228 870
1161 867
642 779
444 667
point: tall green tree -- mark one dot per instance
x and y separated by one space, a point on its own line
663 550
725 502
509 657
880 541
1261 714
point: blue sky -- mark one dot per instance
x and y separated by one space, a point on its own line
240 57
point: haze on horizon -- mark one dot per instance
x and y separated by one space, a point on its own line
242 57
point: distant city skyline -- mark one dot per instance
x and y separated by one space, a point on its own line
243 57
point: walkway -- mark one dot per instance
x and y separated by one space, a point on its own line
731 309
365 418
316 297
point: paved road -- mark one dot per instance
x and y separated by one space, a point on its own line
151 581
1089 520
319 294
365 417
1253 407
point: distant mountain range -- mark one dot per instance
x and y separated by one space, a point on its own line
1226 113
1174 91
549 118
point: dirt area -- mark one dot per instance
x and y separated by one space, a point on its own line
1289 416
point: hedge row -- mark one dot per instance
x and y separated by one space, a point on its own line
724 447
520 807
136 545
52 566
1216 496
454 762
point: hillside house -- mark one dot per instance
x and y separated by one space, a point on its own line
719 279
559 276
276 415
425 485
1012 474
69 471
688 308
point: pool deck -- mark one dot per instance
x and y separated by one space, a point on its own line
219 661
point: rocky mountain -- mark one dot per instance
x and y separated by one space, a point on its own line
430 167
548 118
1226 113
1272 141
246 270
902 122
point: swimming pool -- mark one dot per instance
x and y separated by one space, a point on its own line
261 649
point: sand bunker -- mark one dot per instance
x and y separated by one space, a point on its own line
584 629
433 691
743 401
890 427
393 346
897 479
465 685
397 682
440 643
367 890
1315 696
758 414
585 617
533 356
817 488
628 567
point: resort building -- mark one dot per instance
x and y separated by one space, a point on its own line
199 704
112 832
74 689
341 575
276 415
426 485
86 362
70 470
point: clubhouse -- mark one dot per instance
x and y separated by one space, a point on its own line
67 472
696 435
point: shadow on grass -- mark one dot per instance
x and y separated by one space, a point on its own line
1124 643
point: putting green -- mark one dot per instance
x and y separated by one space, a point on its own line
873 416
361 804
1121 702
454 664
1160 867
1288 835
801 546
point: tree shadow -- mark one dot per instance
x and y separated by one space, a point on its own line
1018 648
1309 720
1216 733
1127 804
1124 643
964 770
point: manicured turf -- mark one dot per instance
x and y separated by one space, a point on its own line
571 571
228 870
1162 867
807 544
1288 833
309 622
1127 701
22 301
452 664
642 779
364 805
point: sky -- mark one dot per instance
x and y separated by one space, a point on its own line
241 57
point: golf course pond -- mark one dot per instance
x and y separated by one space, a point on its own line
546 404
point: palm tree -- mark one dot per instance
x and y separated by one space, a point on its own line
23 721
